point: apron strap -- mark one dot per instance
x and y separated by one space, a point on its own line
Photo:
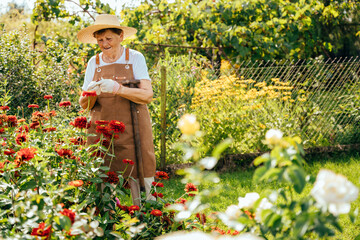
126 54
98 69
97 59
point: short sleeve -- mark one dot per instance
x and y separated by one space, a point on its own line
139 67
89 73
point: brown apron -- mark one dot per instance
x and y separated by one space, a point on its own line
113 107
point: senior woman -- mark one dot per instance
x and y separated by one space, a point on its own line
104 74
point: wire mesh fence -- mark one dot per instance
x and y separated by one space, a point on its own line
317 100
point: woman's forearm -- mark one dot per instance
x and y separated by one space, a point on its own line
141 95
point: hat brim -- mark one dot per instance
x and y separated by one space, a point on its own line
86 35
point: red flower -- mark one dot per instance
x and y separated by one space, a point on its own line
77 141
4 108
69 213
41 231
161 175
33 106
49 129
76 183
12 121
34 125
64 152
2 130
191 189
65 104
9 152
134 208
80 122
20 138
112 178
160 195
89 94
24 155
157 184
101 122
52 113
128 161
48 97
24 128
201 217
102 129
117 126
156 213
181 201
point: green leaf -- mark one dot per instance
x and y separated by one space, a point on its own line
221 147
65 222
297 176
96 180
29 185
259 172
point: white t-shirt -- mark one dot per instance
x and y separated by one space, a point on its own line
135 58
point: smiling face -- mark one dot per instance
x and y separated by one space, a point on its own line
109 42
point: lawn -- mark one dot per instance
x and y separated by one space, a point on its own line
237 183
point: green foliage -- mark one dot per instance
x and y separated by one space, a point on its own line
251 29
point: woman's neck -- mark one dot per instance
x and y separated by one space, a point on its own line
112 57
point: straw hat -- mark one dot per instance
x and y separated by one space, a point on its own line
103 21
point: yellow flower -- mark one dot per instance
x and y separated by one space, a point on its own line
188 124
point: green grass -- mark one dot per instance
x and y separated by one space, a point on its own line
238 183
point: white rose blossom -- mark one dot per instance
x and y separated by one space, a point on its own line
334 192
249 200
264 204
231 216
273 136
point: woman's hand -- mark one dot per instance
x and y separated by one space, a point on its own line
94 86
109 86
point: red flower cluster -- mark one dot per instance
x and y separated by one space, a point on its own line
156 213
33 106
157 184
65 104
20 138
70 214
24 128
112 178
4 108
48 97
161 175
89 94
128 161
49 129
34 125
41 231
78 141
191 189
9 152
156 194
81 122
64 152
181 201
76 183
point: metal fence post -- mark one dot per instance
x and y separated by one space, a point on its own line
163 118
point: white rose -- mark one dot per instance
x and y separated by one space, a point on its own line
248 201
264 204
188 124
273 136
231 216
334 191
